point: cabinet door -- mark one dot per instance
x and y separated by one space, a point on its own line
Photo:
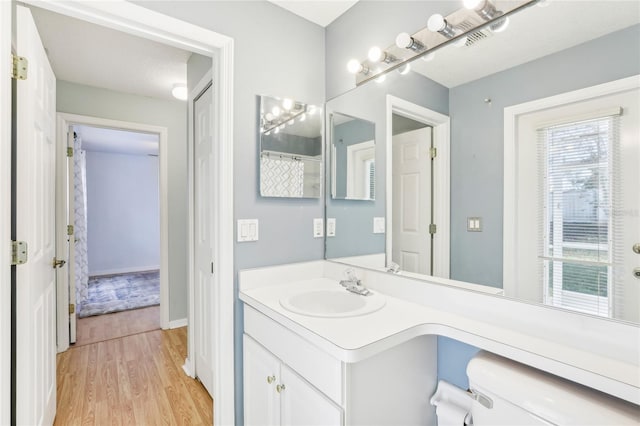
261 402
302 404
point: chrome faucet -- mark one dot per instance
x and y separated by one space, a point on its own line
353 284
393 268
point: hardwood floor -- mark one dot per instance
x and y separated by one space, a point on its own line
133 380
109 326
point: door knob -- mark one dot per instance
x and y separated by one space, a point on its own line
636 248
58 263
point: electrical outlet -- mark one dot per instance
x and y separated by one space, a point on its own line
247 230
318 228
331 227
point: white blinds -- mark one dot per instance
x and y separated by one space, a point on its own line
577 256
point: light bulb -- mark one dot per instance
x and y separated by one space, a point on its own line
180 91
429 57
472 4
269 117
276 111
436 23
354 66
287 104
405 69
376 54
500 25
404 41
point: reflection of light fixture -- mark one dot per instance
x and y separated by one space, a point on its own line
428 57
312 110
405 41
276 130
276 111
355 67
500 25
378 55
303 117
405 69
382 78
269 117
287 104
179 91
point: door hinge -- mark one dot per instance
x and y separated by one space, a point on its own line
19 252
432 228
72 308
70 229
433 152
19 68
212 267
69 151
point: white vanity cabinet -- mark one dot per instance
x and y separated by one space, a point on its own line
275 395
290 381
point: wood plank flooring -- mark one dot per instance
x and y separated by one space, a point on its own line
133 380
109 326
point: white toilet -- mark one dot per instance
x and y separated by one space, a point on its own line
510 393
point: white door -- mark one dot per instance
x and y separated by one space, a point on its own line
261 376
68 241
203 236
411 174
303 404
35 224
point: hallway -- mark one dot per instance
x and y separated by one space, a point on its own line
137 379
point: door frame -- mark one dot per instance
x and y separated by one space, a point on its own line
189 363
441 176
63 121
5 214
510 208
142 22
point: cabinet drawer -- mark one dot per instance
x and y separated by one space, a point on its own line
316 366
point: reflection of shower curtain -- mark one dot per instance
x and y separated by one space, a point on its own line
80 222
281 177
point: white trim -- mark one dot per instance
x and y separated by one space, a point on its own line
189 362
5 215
510 210
130 270
137 20
65 120
182 322
441 125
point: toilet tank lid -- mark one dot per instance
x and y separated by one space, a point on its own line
547 396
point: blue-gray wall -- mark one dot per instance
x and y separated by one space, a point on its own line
343 135
276 53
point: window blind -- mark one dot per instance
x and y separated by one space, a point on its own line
577 252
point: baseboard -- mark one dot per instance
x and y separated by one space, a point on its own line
183 322
188 368
130 270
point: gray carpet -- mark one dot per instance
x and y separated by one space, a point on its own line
116 293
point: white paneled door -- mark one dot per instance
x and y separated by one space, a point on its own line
35 224
411 246
203 237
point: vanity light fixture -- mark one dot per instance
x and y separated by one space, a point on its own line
287 104
438 24
180 91
378 55
405 41
487 11
355 67
276 111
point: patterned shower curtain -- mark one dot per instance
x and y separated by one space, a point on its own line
281 177
80 222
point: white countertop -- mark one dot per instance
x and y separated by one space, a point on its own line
352 339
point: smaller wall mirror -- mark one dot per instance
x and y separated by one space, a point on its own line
353 158
290 148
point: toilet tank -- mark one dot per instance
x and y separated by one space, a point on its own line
522 395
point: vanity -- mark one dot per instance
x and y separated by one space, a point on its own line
376 367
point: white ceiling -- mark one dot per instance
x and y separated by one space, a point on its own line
321 12
532 33
117 141
89 54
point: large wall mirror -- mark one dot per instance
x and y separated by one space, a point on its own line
290 148
532 166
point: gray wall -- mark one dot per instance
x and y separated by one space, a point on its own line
477 134
87 100
346 134
277 54
123 221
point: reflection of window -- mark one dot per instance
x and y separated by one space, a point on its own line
576 180
360 163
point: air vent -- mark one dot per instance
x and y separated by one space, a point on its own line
473 38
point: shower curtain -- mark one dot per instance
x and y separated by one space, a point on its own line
80 222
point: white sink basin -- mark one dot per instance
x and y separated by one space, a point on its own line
337 303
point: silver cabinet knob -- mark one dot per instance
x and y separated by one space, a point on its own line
271 379
280 388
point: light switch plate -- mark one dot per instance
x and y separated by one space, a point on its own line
247 230
318 227
474 224
331 227
378 225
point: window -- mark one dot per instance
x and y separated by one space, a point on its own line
576 164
